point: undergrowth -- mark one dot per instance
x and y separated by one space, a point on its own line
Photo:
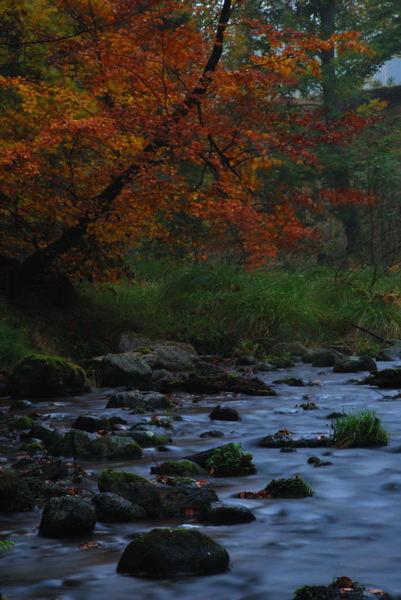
217 308
359 429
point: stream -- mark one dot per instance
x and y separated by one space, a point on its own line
351 526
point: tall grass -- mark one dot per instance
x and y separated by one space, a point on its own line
217 307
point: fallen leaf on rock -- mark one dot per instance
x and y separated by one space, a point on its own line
200 482
189 512
375 591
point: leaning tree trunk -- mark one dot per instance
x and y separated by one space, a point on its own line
37 267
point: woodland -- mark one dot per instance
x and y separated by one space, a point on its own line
200 209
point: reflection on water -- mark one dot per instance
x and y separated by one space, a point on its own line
351 527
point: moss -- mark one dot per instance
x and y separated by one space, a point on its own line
109 478
229 460
360 429
32 447
144 349
45 376
289 488
21 423
178 467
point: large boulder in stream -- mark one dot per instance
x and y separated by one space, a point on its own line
208 379
386 378
127 369
171 552
354 364
225 514
67 516
156 500
82 444
15 494
323 357
39 376
112 508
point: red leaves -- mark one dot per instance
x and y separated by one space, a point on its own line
254 495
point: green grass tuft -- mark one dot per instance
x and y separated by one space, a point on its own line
360 429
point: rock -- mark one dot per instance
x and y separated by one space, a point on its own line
391 351
386 378
149 439
353 364
173 356
45 433
225 514
324 357
88 445
285 439
342 588
282 363
292 381
129 341
245 360
162 380
20 423
15 494
39 376
225 461
67 516
179 500
112 508
221 381
127 369
19 404
90 423
316 462
178 467
289 488
168 553
134 488
214 433
140 401
224 413
292 348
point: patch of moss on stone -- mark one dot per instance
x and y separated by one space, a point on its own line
108 478
289 488
32 447
21 423
39 375
144 349
229 460
178 467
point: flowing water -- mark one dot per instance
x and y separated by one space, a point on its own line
352 525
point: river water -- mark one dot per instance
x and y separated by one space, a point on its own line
352 525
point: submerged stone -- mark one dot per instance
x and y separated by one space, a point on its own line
286 439
171 552
224 413
225 514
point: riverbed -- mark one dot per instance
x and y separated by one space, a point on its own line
351 526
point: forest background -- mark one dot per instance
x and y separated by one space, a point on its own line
225 173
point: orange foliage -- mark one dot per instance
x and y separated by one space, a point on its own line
117 103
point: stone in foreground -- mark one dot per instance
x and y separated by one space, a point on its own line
171 552
67 516
342 588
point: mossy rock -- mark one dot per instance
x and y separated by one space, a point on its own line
20 423
171 552
15 493
225 461
67 516
88 445
178 467
134 488
289 488
40 376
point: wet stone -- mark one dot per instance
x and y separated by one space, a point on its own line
171 552
288 440
67 516
224 413
226 514
112 508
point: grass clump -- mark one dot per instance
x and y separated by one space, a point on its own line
359 429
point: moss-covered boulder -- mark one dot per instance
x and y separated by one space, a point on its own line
67 516
148 438
83 444
15 493
323 357
224 413
220 381
178 467
171 552
134 488
354 364
178 500
90 423
342 588
289 488
40 376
